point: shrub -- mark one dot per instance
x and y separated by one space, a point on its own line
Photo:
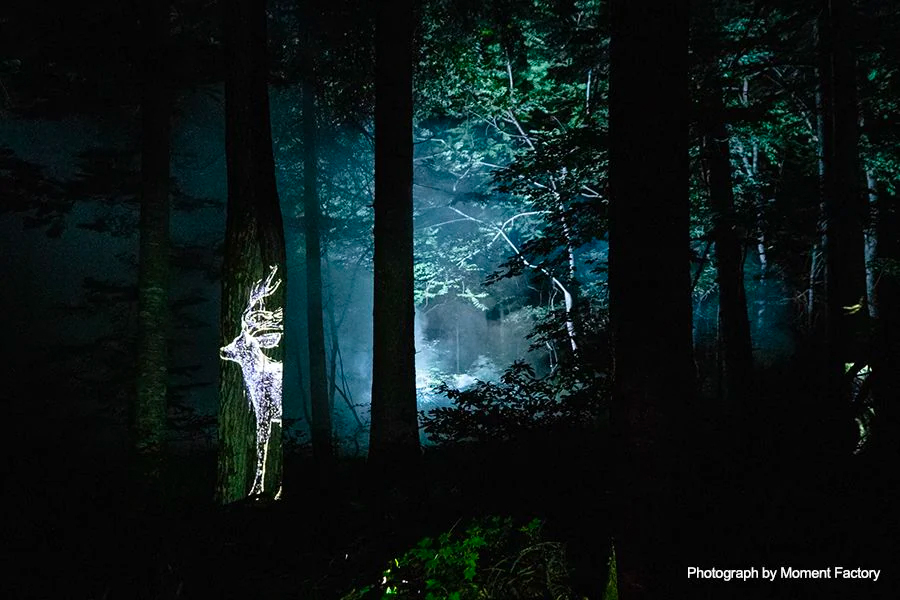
490 560
518 405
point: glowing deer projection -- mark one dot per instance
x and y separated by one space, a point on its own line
260 328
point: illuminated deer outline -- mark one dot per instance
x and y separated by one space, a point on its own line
260 329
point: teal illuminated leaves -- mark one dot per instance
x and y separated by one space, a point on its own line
880 108
445 265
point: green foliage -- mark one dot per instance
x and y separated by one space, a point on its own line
445 265
520 404
512 98
491 560
611 592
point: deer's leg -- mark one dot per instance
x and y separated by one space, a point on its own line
260 456
263 433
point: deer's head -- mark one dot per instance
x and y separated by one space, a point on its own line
260 328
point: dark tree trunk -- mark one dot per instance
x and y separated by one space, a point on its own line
254 239
149 419
318 382
886 361
394 442
734 327
844 204
649 283
734 343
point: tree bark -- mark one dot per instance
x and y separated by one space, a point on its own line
734 326
394 441
149 419
871 235
844 205
733 340
649 283
254 239
886 361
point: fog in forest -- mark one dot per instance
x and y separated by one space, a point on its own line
71 289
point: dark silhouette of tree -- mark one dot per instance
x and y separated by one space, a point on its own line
149 419
318 382
735 346
734 327
394 444
254 239
844 206
649 283
886 358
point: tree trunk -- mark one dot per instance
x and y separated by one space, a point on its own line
394 442
844 205
254 239
886 361
649 283
318 382
149 419
871 234
735 347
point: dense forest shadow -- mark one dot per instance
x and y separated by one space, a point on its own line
759 492
781 483
759 489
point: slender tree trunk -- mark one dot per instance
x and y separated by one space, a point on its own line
149 419
318 381
254 240
735 346
569 296
814 282
871 234
335 352
649 283
394 443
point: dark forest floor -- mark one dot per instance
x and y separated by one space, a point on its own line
764 493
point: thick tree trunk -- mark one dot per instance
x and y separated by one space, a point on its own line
844 205
318 382
734 341
886 360
149 419
649 283
254 240
394 442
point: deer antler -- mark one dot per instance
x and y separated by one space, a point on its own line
257 320
264 288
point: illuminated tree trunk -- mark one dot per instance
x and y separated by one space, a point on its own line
394 441
871 235
318 383
844 205
254 239
149 418
649 286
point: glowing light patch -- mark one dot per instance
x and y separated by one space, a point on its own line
260 329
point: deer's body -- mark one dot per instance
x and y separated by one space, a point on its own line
265 400
263 377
